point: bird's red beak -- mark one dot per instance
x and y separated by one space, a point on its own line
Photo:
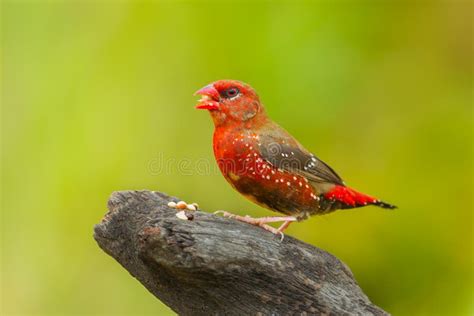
209 99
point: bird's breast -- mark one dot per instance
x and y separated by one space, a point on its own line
238 157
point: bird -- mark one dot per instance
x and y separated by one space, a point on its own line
267 165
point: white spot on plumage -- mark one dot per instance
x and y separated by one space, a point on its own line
288 183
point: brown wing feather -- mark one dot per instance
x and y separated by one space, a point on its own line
285 153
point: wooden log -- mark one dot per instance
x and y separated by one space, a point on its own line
210 265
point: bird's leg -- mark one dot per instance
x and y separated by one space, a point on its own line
262 221
284 226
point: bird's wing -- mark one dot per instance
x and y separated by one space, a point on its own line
283 152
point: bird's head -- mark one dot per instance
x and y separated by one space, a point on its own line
230 101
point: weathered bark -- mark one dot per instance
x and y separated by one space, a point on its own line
213 265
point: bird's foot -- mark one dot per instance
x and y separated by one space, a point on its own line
262 221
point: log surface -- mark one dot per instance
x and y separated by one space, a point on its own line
211 265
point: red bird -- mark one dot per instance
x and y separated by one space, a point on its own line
267 165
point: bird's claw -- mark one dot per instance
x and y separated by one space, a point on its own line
272 230
224 214
253 221
282 236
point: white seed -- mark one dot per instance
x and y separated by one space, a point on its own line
182 215
191 207
172 204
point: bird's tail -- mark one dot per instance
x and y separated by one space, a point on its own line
341 197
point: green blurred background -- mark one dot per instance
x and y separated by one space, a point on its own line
95 94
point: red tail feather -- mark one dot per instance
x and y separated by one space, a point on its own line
353 198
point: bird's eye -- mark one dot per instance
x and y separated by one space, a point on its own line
231 92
